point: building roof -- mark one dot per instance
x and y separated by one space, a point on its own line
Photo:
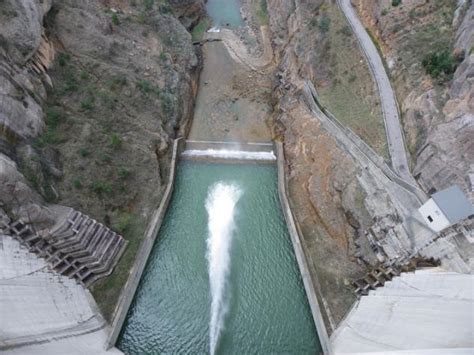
454 204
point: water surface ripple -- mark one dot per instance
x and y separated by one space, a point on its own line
268 312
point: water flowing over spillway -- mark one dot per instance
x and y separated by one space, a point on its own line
222 275
229 154
220 206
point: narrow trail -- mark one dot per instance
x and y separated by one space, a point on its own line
393 129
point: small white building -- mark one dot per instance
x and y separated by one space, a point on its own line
445 208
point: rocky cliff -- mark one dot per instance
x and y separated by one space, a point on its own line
437 109
352 216
91 95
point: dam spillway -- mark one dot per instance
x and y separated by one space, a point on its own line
262 299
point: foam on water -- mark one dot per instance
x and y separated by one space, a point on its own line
229 154
220 205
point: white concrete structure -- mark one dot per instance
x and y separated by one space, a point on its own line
430 311
41 311
445 208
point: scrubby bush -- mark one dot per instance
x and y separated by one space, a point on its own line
84 152
101 187
146 87
124 222
63 59
324 24
440 63
115 19
123 173
148 4
53 117
115 141
77 183
396 2
117 80
88 103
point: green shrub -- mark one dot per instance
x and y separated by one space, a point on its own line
115 19
101 187
117 81
49 137
123 223
84 152
166 9
63 59
115 141
70 82
88 103
440 63
262 12
53 117
123 173
197 32
77 183
148 4
105 157
146 87
396 2
324 24
167 104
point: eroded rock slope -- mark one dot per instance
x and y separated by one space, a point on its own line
91 95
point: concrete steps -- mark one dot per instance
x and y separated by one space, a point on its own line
78 247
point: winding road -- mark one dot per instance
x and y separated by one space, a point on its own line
388 100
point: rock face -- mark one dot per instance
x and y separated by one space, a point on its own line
91 94
189 12
438 115
352 215
18 198
21 91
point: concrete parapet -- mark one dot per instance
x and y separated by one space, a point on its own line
311 289
141 258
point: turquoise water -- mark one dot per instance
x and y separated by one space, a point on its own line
224 13
268 311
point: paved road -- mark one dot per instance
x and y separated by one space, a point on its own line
393 128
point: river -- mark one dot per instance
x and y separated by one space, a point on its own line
222 277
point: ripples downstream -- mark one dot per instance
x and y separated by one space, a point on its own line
267 310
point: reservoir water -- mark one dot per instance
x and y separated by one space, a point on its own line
224 13
223 264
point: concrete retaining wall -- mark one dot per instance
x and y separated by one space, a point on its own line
141 258
310 287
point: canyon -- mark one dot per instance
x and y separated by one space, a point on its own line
92 96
